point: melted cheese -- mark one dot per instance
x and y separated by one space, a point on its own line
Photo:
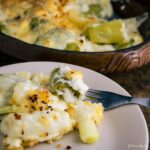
45 117
54 23
71 82
34 21
21 90
7 82
39 126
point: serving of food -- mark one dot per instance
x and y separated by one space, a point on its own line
74 25
41 103
37 107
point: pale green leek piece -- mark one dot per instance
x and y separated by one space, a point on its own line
10 109
87 130
112 32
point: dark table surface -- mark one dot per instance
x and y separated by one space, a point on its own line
136 82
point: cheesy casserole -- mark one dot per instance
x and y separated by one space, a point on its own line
76 25
37 108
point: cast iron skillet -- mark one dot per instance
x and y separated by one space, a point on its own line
121 60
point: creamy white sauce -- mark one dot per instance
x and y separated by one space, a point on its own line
83 110
13 143
7 83
21 89
124 30
58 104
40 78
69 96
40 126
57 38
76 84
47 124
23 74
84 4
88 46
70 6
90 110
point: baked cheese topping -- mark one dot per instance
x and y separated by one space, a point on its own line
40 126
42 108
68 84
63 24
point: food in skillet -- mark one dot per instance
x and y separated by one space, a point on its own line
77 25
42 108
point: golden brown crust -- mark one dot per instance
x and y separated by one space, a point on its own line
19 148
30 143
24 144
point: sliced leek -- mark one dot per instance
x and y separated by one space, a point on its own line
95 10
10 109
109 33
72 47
87 130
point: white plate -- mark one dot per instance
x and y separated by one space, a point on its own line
122 128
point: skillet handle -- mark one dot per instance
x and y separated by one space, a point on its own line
131 58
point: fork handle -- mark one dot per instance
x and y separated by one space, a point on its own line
141 101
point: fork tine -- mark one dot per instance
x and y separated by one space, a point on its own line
94 91
108 93
102 94
92 95
92 99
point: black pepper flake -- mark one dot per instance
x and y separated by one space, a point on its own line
74 128
33 107
17 17
47 112
41 108
64 26
17 116
68 147
51 108
65 110
44 102
33 98
46 133
56 16
22 132
5 135
81 41
44 15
